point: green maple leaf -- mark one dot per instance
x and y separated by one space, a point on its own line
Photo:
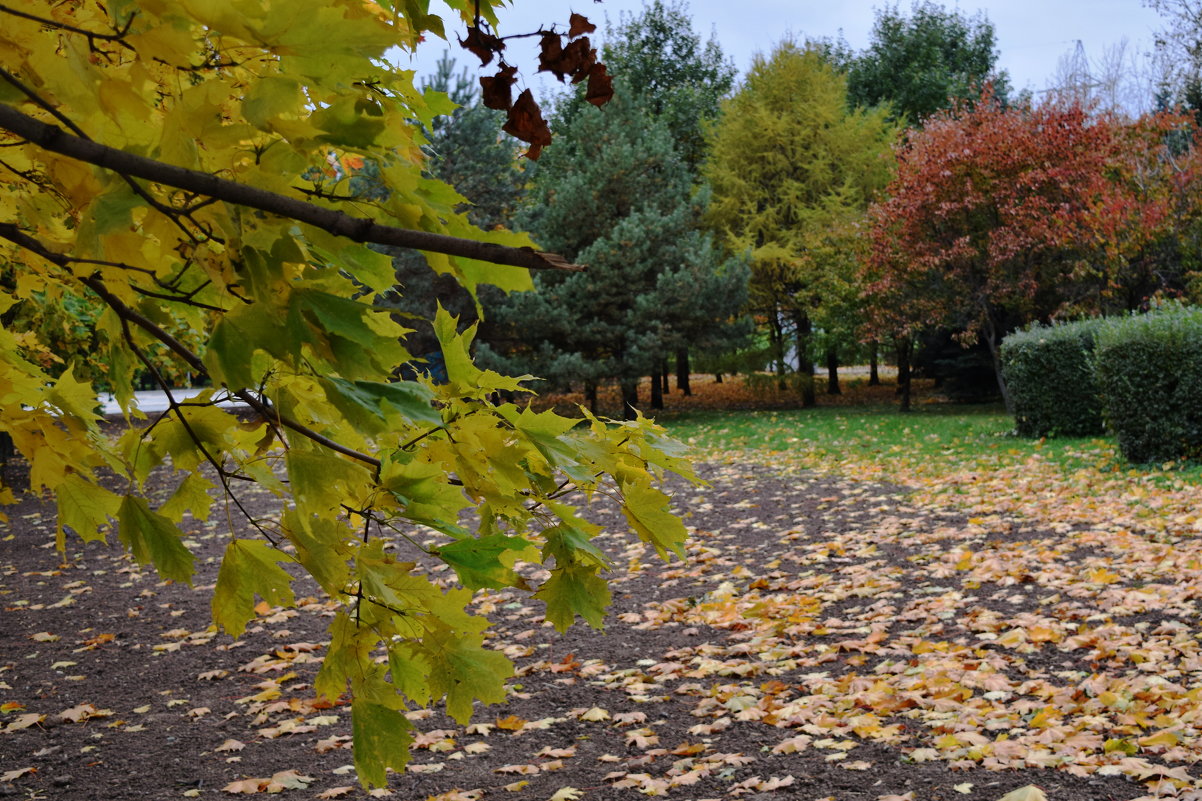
347 328
571 540
456 354
368 404
647 510
348 656
230 355
321 480
191 495
465 671
151 537
381 737
487 561
575 589
207 424
85 507
551 436
249 568
320 548
424 491
409 671
269 97
113 210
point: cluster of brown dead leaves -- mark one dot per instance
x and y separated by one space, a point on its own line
576 60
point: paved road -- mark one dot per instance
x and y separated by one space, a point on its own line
156 400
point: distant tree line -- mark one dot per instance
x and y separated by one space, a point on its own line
831 206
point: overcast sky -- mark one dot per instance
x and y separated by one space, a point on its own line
1032 34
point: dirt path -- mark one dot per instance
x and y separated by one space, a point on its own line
825 639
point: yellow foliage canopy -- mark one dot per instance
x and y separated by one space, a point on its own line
183 173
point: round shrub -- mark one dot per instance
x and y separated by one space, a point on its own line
1049 372
1149 370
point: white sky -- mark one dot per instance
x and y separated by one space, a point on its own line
1031 34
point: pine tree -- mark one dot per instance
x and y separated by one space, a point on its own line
615 195
681 81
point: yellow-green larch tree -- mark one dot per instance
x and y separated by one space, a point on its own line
791 167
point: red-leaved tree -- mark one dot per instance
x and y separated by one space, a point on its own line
1003 215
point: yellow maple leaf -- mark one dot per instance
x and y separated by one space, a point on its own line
1100 575
1167 739
595 714
511 723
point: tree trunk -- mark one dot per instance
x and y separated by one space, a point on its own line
874 375
805 366
717 378
590 395
995 353
904 349
777 338
663 374
630 398
832 371
658 381
682 371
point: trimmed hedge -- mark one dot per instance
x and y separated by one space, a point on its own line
1049 372
1149 369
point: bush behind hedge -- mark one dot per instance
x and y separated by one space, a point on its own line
1048 370
1149 370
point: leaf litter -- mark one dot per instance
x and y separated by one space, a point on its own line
837 631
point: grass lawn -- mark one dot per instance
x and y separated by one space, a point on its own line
931 439
963 455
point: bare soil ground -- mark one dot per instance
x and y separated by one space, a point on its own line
820 642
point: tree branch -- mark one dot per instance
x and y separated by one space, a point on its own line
358 229
117 35
267 410
138 189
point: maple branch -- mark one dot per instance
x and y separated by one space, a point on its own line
270 412
140 191
177 298
15 235
357 229
222 474
117 36
266 410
